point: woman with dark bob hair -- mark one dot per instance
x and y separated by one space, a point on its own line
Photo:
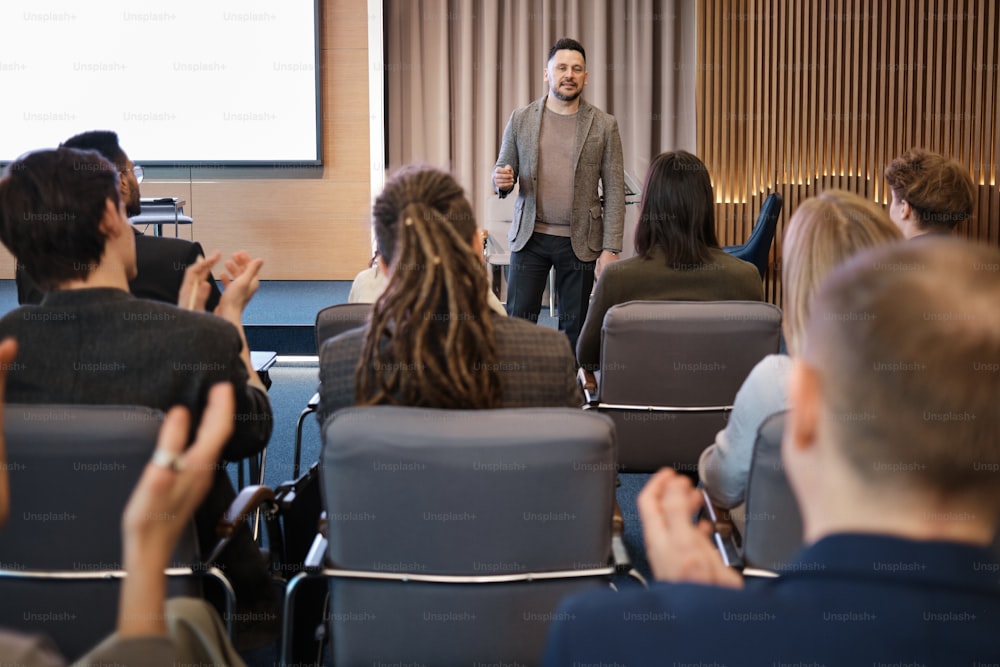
677 255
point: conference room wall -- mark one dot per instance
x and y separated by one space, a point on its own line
313 227
802 97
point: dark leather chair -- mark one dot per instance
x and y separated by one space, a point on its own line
454 534
758 247
330 322
773 531
670 371
71 470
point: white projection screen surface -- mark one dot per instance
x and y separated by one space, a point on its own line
185 82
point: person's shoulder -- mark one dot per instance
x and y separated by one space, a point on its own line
531 107
770 376
527 337
206 326
29 650
345 344
631 265
163 244
678 608
15 315
734 264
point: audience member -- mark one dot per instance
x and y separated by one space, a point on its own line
161 261
930 193
370 283
823 232
891 449
90 341
433 340
151 629
678 257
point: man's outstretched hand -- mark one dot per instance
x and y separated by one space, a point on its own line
678 550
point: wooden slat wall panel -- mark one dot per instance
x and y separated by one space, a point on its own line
828 91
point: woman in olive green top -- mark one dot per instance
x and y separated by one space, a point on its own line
678 257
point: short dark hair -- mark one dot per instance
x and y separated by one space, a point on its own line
51 206
566 44
678 211
104 142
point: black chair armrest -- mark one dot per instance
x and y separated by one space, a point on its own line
588 382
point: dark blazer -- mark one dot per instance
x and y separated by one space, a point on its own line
104 346
161 261
849 599
535 364
598 159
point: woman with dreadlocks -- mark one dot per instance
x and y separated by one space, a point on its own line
433 340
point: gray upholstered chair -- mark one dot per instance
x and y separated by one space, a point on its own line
330 321
773 531
71 470
453 535
670 371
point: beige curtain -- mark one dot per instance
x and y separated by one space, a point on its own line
456 69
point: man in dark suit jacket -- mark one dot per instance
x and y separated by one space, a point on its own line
891 449
91 341
161 261
560 148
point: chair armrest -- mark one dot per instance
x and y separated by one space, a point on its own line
623 563
317 553
588 382
248 501
724 534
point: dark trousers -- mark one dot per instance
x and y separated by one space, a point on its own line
529 272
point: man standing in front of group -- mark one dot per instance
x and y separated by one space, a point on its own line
559 148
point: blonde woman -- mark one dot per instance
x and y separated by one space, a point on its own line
823 232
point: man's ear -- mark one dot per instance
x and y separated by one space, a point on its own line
802 424
111 220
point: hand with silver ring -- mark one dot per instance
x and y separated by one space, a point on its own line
167 460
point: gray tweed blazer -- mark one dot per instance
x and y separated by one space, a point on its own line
535 364
593 228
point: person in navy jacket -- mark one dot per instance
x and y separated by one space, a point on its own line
891 447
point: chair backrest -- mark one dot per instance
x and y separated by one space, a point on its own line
334 320
71 470
757 248
481 493
773 531
670 371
